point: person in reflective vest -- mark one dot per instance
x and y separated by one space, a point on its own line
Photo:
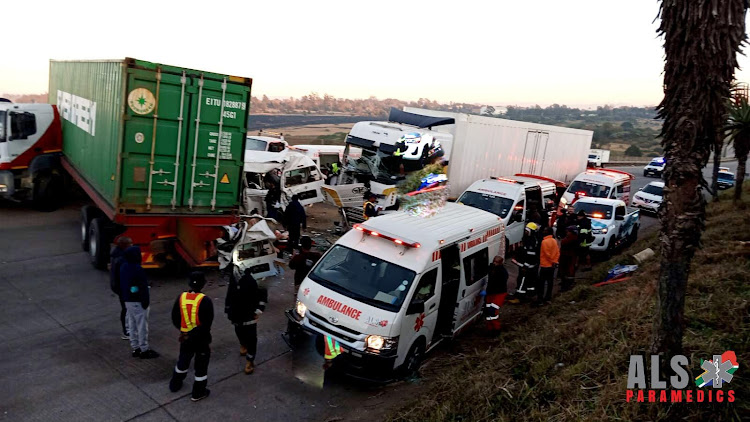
332 350
244 304
528 260
369 209
193 314
496 292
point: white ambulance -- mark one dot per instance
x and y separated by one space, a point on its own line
514 199
393 287
603 183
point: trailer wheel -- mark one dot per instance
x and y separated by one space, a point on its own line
88 213
98 243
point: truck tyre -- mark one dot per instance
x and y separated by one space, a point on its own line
634 235
413 360
609 252
88 213
47 192
99 243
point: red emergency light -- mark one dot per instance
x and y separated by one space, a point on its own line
581 193
597 215
383 236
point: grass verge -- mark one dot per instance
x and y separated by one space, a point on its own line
569 361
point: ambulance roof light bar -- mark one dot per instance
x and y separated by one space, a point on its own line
387 237
505 179
546 179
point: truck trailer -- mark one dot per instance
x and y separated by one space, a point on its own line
473 147
157 148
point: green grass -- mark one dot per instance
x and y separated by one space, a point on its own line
569 361
337 138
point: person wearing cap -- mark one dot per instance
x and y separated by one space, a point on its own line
193 314
369 208
527 259
244 304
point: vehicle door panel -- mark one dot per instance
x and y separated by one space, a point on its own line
424 323
474 268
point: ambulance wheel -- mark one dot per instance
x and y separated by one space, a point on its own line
98 243
413 360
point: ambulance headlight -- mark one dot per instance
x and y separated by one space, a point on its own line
3 188
381 343
301 309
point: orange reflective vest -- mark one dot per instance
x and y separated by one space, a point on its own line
332 348
189 303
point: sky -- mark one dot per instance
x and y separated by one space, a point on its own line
500 52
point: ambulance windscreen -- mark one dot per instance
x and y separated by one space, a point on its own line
364 278
486 202
592 190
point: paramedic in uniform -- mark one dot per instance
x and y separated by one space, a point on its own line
497 290
528 260
193 313
369 209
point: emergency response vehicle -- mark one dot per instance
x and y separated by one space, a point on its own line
655 167
396 285
612 224
514 199
609 183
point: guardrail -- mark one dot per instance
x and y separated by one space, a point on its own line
644 162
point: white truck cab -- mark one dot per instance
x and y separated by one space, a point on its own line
514 199
598 157
396 285
266 142
295 174
325 155
603 183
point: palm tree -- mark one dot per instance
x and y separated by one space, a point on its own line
701 42
738 127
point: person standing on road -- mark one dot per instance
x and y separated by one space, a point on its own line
193 314
294 217
527 260
586 237
549 257
369 208
244 304
496 292
116 258
303 262
568 252
135 293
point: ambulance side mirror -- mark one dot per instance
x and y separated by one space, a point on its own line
415 307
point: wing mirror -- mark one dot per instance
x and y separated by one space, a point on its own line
415 307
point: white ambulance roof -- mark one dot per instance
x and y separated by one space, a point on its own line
603 177
495 187
453 223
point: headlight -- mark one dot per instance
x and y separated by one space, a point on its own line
600 231
301 309
381 343
3 188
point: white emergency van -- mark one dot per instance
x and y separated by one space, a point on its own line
396 285
514 199
603 183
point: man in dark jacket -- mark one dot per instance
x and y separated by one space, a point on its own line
115 260
303 262
497 290
586 237
568 251
193 314
527 259
135 293
294 217
244 304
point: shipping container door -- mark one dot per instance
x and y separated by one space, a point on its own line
204 187
152 101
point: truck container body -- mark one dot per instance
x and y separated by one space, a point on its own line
146 137
489 146
158 149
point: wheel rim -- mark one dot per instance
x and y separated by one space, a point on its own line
92 245
414 360
84 230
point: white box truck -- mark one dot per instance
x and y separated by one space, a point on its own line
475 147
598 157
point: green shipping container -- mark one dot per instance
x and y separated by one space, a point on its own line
152 138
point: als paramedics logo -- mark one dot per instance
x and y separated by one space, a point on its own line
141 101
717 372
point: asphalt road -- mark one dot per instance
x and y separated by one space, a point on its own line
649 221
63 359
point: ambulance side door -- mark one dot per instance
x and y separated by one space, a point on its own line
421 313
474 266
